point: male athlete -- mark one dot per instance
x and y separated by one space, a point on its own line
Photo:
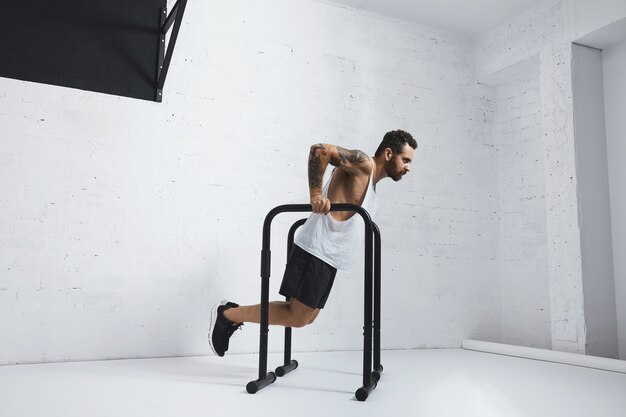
326 241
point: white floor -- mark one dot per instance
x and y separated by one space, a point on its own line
415 383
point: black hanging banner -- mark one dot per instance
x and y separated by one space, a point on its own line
107 46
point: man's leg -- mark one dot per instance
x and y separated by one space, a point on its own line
292 313
306 278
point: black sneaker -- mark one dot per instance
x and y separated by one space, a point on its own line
221 328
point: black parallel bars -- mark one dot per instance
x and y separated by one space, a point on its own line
369 382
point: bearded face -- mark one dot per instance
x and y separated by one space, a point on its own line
394 171
398 165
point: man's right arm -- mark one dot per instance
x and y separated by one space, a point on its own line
318 161
321 154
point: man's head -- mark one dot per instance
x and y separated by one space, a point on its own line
396 153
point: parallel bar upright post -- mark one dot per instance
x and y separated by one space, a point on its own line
378 368
288 363
368 383
265 378
265 285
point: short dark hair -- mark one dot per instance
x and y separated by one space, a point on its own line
395 141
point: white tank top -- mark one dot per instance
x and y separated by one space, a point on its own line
335 241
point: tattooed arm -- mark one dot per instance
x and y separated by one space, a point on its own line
350 161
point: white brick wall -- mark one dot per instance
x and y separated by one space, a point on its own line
563 230
123 220
614 61
523 37
522 248
547 31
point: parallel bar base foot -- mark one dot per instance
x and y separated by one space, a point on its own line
259 384
362 393
378 370
285 369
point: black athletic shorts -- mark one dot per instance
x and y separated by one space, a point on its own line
307 278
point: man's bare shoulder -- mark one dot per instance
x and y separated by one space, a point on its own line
353 161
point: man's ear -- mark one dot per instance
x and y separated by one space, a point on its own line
388 154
